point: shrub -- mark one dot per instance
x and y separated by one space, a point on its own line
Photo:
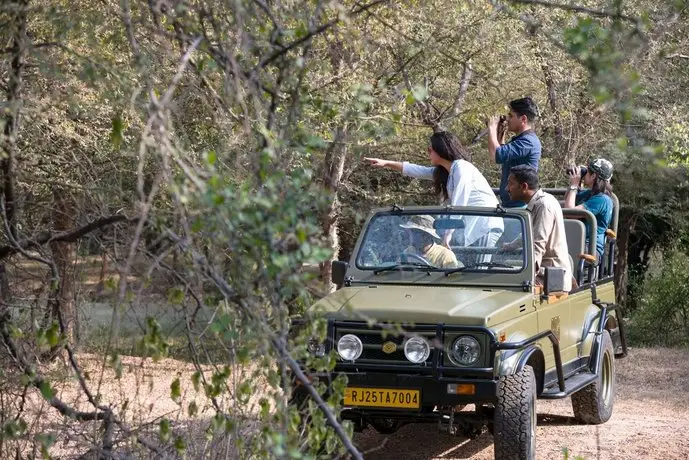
663 314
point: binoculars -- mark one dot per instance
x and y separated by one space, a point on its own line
581 169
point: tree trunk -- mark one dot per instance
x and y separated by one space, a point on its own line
625 227
64 255
5 297
561 147
332 175
12 116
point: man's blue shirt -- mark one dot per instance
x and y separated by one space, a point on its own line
524 149
600 205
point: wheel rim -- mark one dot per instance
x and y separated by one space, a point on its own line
606 379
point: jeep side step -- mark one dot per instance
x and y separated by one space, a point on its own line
572 385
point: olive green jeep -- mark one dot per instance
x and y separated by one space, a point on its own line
470 338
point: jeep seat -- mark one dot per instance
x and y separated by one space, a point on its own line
575 231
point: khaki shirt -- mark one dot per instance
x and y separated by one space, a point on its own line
549 239
437 255
441 257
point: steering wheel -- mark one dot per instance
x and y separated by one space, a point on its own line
414 258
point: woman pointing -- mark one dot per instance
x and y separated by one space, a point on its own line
458 183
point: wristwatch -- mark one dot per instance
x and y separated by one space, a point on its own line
573 187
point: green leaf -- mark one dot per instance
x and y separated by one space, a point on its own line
175 296
46 391
211 157
45 441
164 429
301 31
244 392
53 334
193 409
15 332
116 135
175 391
13 429
180 445
230 425
196 380
217 421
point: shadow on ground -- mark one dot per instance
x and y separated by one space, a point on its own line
438 444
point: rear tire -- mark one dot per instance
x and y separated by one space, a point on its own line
514 421
594 403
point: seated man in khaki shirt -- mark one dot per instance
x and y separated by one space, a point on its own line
549 240
424 241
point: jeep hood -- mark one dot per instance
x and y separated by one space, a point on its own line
426 304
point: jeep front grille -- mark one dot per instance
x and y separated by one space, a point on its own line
377 345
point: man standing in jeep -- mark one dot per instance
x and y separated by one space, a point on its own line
549 239
522 149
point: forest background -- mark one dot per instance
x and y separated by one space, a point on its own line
169 169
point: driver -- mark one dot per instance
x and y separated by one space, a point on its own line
424 242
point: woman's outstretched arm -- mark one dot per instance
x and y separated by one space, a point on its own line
406 168
378 163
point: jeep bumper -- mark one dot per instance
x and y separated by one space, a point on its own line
434 391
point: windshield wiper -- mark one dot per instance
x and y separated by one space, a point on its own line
477 265
406 264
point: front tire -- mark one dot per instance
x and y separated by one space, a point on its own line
593 404
514 421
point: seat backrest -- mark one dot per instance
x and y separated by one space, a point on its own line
575 230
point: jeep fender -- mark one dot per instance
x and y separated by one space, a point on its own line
510 362
591 321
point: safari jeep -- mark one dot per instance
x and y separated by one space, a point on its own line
475 342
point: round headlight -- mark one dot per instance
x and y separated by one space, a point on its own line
417 350
466 350
349 347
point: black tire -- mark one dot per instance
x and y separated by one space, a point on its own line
593 404
514 421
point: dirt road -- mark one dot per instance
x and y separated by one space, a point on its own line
650 421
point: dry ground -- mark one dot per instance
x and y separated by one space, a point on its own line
650 421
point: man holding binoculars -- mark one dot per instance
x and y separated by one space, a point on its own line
522 149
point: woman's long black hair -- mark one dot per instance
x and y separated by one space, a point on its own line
447 146
601 186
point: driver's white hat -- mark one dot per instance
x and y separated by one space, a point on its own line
422 222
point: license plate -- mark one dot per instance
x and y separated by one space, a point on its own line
382 397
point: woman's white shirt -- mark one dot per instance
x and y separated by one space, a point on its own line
466 186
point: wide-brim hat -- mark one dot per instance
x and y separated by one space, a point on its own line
422 222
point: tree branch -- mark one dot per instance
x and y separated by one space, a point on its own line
277 342
462 93
47 237
578 9
299 374
312 33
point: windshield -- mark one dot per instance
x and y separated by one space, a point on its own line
409 241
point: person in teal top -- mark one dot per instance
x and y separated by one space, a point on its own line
596 198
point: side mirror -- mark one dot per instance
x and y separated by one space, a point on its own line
554 280
339 270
